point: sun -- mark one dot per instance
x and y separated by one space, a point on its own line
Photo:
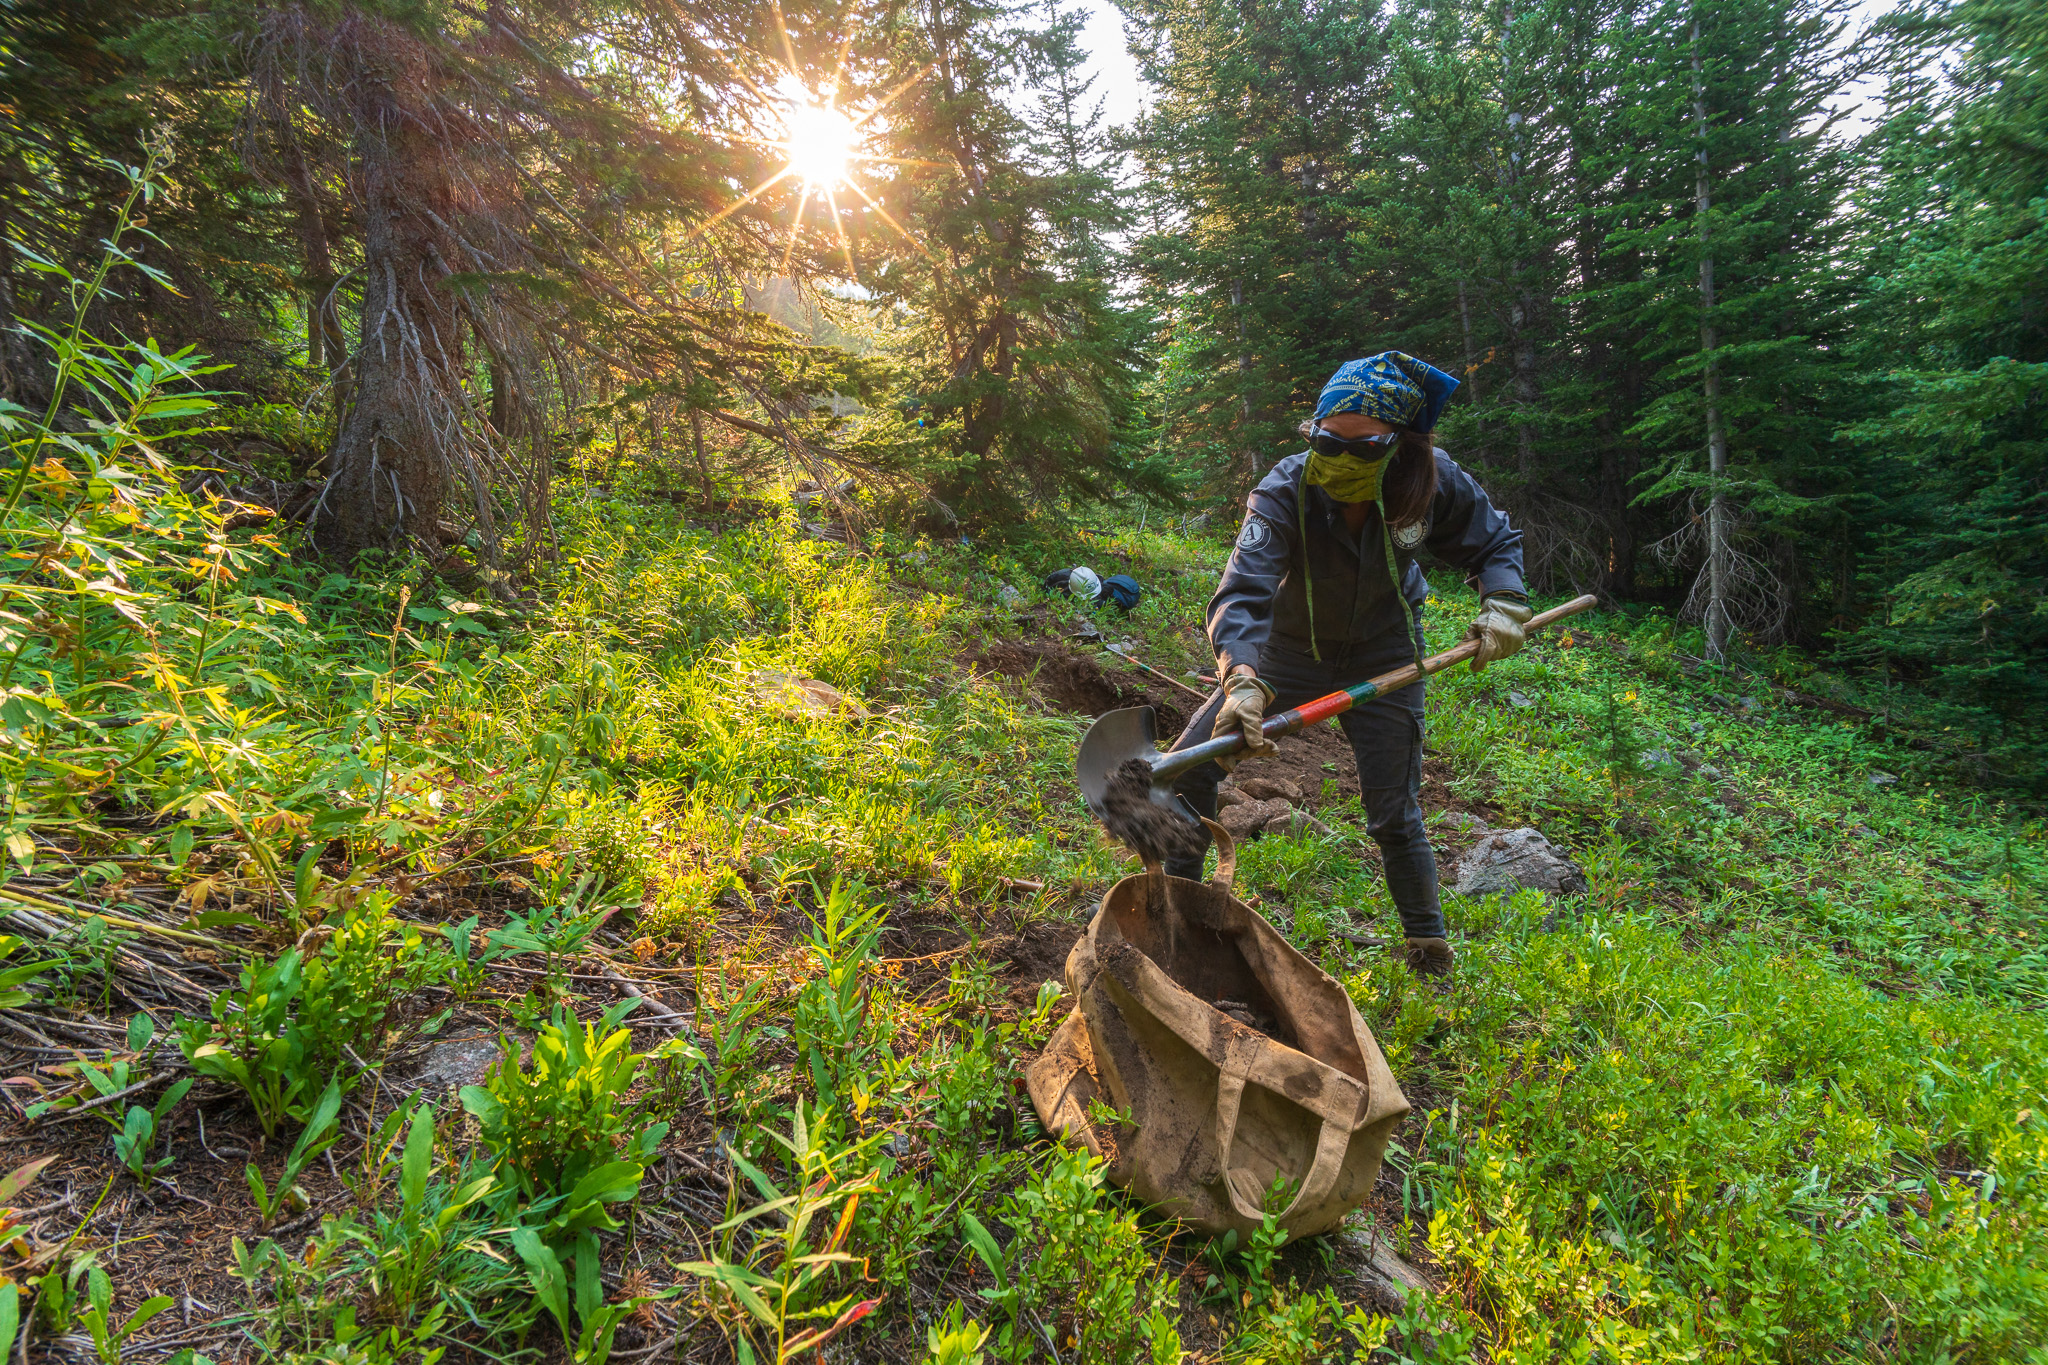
820 143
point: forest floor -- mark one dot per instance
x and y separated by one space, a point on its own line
1775 1086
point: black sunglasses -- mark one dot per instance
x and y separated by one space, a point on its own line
1323 443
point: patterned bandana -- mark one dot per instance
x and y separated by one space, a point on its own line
1397 389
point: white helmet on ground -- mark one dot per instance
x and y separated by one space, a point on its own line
1083 583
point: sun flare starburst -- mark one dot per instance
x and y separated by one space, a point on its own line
821 143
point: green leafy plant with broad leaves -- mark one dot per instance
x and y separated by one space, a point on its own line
557 1240
294 1022
254 1041
763 1287
108 1338
136 1141
552 1122
955 1339
562 1282
316 1137
13 978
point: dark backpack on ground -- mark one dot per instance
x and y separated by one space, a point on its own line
1121 589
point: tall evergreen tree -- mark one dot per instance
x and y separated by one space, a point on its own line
1253 159
1020 363
1954 328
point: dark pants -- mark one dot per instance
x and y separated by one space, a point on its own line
1386 739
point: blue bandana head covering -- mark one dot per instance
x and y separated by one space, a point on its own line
1397 389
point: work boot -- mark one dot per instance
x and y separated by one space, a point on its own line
1430 956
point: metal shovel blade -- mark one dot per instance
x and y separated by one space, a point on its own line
1113 740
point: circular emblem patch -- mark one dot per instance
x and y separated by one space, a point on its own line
1255 533
1410 536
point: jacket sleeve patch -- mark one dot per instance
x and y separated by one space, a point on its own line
1255 533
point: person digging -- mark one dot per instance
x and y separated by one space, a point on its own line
1323 588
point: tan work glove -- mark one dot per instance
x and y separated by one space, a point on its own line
1498 629
1430 956
1244 708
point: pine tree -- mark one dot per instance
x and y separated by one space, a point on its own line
1020 363
1954 242
1737 306
1253 159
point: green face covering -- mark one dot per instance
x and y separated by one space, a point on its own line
1348 478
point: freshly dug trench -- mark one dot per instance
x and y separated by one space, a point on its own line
1149 830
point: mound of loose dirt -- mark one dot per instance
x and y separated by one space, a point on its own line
1075 682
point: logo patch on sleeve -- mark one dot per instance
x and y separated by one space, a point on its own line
1410 536
1255 534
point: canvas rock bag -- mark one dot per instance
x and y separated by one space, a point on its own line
1210 1110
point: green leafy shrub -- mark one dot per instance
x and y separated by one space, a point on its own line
1079 1258
552 1122
297 1022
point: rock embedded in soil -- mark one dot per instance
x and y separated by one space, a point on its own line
1515 860
1247 818
1463 822
456 1063
1269 789
1296 821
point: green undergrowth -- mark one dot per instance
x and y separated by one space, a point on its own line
1771 1089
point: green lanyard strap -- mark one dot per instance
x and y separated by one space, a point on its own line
1308 581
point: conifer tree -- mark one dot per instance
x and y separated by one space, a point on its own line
1020 364
1253 159
1953 327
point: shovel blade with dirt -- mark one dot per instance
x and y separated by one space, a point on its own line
1128 782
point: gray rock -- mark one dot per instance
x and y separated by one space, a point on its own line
1662 761
1518 700
1269 789
1517 859
1011 599
1247 818
456 1063
1881 778
1295 821
1710 772
1463 822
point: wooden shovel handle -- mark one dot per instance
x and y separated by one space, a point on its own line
1337 703
1168 766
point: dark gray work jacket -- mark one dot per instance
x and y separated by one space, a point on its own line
1261 596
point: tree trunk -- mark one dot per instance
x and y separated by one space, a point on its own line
1717 439
389 471
1244 395
1471 362
1526 395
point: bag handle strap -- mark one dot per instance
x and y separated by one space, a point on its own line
1331 1143
1226 856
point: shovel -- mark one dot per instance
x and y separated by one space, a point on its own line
1120 736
